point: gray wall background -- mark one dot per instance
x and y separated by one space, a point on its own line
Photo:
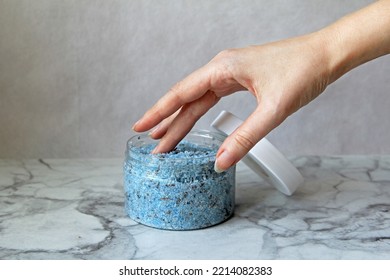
76 74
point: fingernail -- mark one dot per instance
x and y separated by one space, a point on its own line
133 128
155 150
216 168
223 162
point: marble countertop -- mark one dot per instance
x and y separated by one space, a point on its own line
73 209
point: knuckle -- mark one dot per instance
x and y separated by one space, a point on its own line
175 93
226 56
245 140
278 109
176 89
224 66
225 53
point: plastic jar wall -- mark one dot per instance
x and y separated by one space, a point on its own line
178 190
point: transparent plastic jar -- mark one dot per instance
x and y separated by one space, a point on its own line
178 190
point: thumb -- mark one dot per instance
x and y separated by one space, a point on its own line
244 138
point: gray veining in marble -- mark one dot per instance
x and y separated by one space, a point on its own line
73 209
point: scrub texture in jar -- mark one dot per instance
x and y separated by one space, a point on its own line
178 190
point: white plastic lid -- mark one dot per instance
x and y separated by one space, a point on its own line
264 159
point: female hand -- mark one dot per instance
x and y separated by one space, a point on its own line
283 76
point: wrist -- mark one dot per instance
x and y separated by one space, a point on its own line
355 39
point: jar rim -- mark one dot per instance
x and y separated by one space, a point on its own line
212 135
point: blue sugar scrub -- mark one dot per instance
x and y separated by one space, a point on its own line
178 190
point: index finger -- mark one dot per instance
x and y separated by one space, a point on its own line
189 89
